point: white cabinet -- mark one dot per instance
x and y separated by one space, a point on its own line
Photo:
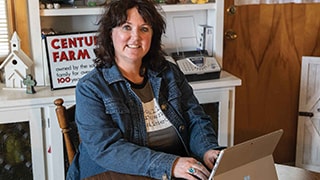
177 37
46 138
221 91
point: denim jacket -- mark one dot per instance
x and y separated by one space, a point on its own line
111 124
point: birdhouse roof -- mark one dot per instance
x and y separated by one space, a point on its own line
15 37
21 56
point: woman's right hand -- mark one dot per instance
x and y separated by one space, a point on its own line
189 168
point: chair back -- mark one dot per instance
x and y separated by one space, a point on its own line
66 120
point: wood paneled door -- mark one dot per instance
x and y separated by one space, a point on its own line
266 55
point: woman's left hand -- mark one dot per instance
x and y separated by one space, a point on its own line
189 168
210 157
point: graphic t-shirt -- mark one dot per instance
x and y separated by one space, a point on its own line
162 136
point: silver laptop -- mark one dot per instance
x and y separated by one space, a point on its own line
249 160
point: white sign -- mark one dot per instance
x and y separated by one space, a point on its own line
70 56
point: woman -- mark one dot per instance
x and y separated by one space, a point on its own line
135 112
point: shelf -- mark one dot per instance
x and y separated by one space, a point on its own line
187 7
84 10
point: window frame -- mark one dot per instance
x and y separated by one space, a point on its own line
8 8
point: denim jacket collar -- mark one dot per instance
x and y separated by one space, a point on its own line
113 74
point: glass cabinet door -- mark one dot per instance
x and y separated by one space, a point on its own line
21 144
216 104
15 151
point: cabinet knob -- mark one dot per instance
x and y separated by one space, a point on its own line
232 10
230 35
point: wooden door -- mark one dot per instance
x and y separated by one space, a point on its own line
308 138
266 55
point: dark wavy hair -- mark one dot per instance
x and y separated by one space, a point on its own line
116 15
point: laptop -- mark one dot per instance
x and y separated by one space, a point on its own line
249 160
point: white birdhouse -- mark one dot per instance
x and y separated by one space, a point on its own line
16 66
